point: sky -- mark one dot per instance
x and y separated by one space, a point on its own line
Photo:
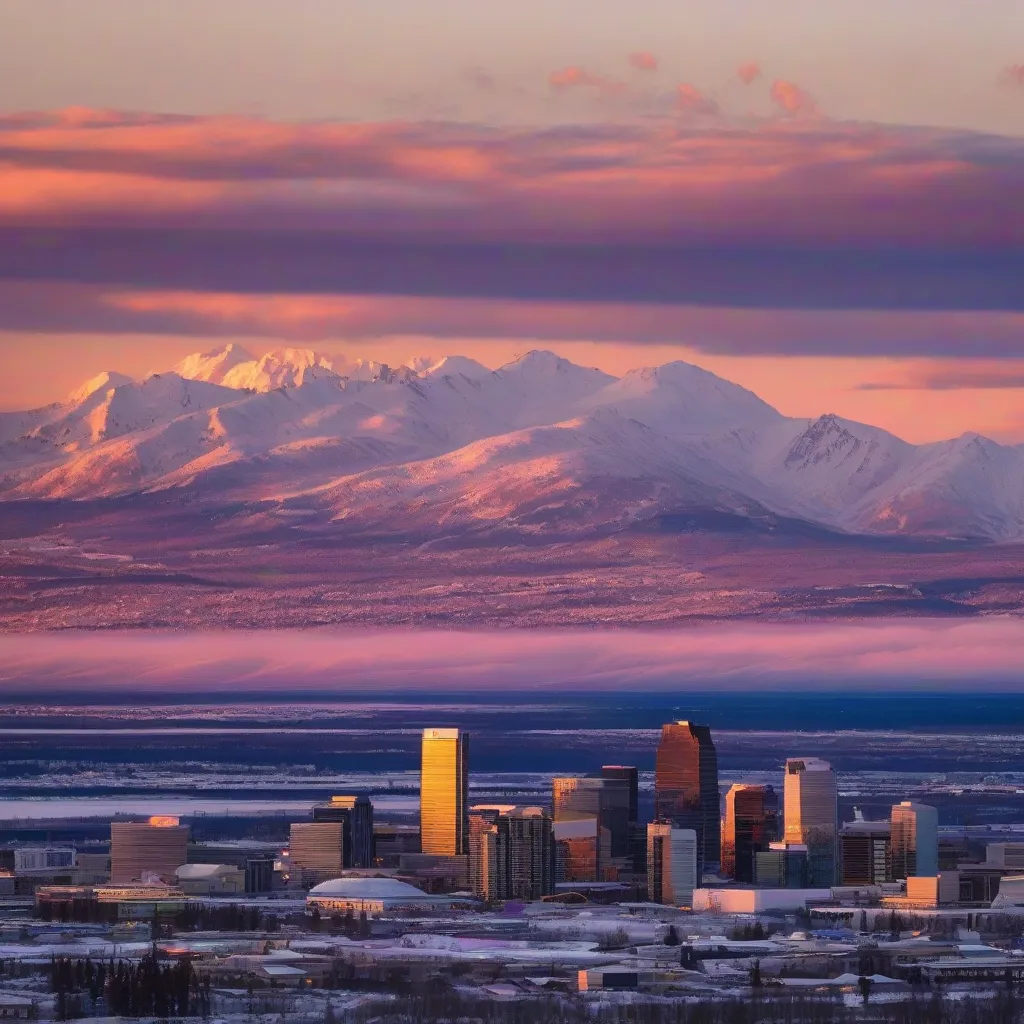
822 202
879 656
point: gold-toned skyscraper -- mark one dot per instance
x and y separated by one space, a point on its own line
444 788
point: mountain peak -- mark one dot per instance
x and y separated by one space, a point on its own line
278 368
101 382
214 365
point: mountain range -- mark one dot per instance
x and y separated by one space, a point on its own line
540 447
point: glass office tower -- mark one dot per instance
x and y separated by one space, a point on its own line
444 788
811 815
914 839
607 800
751 825
686 788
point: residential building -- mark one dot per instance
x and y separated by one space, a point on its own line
444 788
686 788
515 854
751 823
811 815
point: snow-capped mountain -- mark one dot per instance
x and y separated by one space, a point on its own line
445 445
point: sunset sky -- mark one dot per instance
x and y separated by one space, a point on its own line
821 201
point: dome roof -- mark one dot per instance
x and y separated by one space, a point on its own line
368 889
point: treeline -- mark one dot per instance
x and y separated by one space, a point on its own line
1002 1006
148 988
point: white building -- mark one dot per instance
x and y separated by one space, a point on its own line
210 879
671 864
375 896
742 900
811 815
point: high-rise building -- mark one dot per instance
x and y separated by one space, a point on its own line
671 864
444 788
811 815
915 840
356 812
316 851
864 852
782 866
751 824
629 775
606 800
686 788
481 870
153 849
515 854
581 846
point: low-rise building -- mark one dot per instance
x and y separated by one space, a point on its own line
210 879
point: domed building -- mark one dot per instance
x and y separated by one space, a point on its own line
376 896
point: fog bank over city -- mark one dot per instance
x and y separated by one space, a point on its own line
909 654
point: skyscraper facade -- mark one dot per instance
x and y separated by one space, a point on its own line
356 812
515 854
671 864
140 850
686 788
629 775
914 840
605 800
751 824
811 815
316 851
864 853
444 788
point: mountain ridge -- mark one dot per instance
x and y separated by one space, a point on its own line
537 445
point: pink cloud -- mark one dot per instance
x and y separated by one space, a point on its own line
574 77
791 98
749 72
642 60
690 99
1013 75
918 653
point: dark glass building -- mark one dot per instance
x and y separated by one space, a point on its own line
356 812
751 825
686 788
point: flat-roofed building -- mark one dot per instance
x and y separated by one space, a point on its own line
581 846
606 800
864 852
686 788
782 866
671 864
316 851
516 856
1009 856
444 789
356 812
914 840
145 851
811 815
751 824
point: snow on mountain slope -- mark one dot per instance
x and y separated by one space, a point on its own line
440 443
215 365
602 470
281 368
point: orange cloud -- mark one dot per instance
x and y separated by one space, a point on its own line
574 77
749 72
693 101
642 60
791 98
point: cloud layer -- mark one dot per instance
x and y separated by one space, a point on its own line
912 653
